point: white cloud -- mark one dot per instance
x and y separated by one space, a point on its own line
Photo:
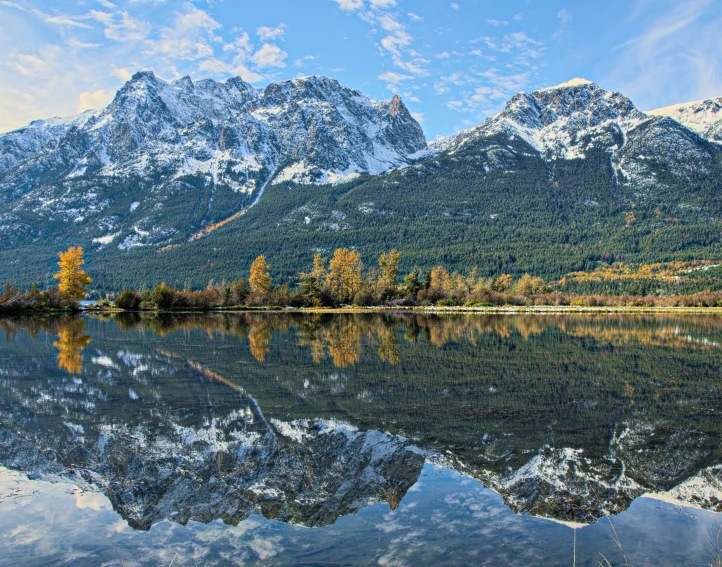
383 3
454 6
415 17
12 5
418 116
524 48
350 5
265 32
240 44
189 39
564 16
497 23
93 100
269 55
393 79
443 55
238 69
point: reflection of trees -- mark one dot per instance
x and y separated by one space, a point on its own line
70 344
388 344
341 337
259 335
343 340
337 336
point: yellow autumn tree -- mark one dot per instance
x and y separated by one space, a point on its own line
72 278
260 279
344 279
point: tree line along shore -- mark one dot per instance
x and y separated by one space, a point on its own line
342 281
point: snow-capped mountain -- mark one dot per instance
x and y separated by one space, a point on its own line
702 116
577 118
164 160
307 130
168 163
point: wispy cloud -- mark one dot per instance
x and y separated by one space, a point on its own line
564 16
121 26
675 57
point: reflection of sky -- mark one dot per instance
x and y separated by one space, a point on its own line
446 519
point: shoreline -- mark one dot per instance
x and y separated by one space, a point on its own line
501 310
432 310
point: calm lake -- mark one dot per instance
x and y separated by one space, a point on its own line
379 439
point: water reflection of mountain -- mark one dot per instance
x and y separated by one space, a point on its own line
306 418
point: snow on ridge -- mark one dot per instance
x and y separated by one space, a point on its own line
701 116
576 82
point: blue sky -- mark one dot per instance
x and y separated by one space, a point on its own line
453 62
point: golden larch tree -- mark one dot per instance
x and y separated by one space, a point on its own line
72 278
344 279
260 278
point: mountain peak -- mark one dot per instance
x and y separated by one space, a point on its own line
396 105
143 76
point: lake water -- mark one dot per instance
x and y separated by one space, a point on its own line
379 439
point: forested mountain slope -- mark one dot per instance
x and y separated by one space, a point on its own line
561 179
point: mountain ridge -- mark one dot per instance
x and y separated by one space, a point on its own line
167 164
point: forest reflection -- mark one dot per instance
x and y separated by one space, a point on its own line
342 338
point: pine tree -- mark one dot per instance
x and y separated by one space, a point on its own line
311 283
413 283
72 278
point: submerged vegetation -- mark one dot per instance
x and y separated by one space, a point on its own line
343 280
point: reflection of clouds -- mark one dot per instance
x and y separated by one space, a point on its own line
266 548
92 500
450 520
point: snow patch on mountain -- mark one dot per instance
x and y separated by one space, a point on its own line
702 116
